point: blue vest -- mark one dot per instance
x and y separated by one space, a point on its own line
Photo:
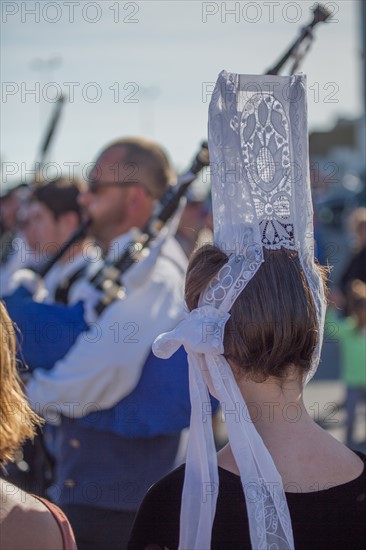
159 404
101 469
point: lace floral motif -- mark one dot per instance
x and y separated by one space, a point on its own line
269 513
264 136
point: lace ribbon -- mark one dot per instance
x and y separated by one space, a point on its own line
201 334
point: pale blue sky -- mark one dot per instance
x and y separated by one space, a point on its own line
172 52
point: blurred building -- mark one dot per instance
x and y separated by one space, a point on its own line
337 154
337 170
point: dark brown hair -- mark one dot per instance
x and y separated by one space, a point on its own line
59 196
273 324
151 163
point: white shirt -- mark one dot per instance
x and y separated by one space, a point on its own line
62 272
105 364
44 290
19 258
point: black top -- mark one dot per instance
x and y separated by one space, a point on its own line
328 518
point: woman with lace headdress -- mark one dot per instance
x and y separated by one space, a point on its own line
27 522
253 335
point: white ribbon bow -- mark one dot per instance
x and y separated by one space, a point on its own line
202 331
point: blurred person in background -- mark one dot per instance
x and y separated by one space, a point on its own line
52 214
195 225
12 243
102 474
356 267
351 335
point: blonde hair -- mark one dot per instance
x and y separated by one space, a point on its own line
17 420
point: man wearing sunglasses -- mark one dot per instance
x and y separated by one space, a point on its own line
101 475
127 179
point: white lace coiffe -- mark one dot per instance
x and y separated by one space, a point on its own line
261 199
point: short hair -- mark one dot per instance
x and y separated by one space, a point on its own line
152 165
17 420
273 323
60 196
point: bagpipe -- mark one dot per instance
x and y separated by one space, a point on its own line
47 139
7 236
320 15
160 402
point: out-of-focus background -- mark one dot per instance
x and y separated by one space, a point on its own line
148 67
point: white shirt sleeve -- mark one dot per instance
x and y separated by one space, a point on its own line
105 364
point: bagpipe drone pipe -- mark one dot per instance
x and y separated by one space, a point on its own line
160 402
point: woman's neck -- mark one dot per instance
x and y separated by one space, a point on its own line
300 449
275 406
277 410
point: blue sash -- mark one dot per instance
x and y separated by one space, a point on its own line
46 331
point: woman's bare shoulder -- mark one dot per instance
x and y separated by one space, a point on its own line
344 463
318 460
26 523
323 461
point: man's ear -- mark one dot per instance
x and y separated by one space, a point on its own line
70 221
139 197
